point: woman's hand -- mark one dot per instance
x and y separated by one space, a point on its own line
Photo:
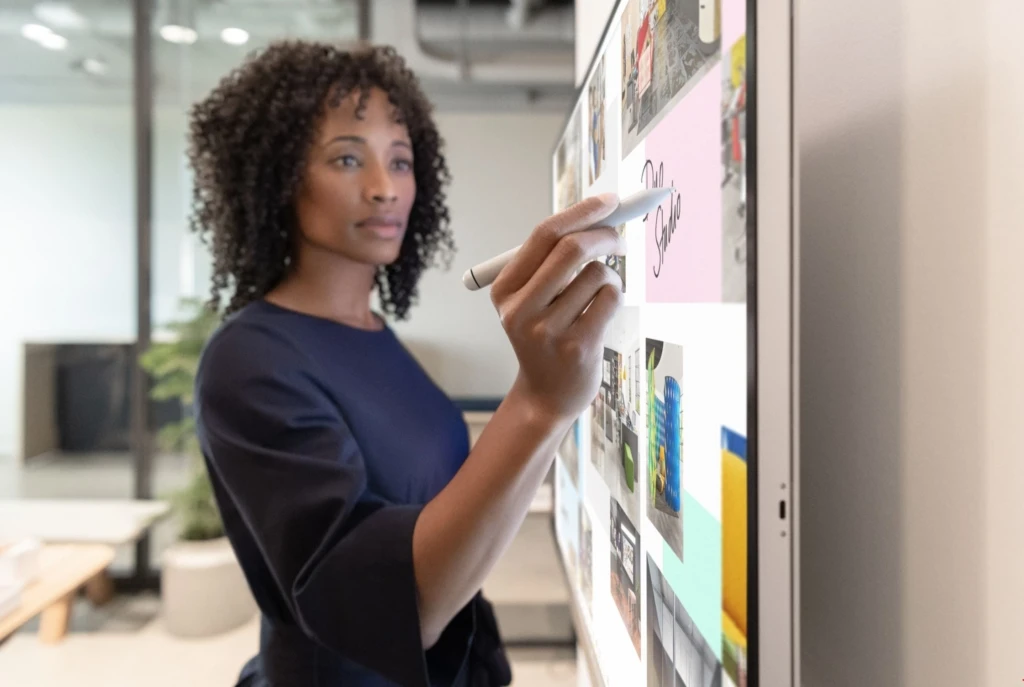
556 322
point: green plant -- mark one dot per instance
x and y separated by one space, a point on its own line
172 366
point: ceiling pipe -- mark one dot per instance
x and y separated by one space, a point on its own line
518 14
394 23
554 26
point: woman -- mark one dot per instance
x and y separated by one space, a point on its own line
363 523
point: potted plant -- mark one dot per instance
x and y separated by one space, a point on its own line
203 590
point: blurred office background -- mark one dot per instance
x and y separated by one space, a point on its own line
94 97
912 377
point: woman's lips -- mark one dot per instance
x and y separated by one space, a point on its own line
382 227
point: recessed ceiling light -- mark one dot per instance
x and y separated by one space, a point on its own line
60 15
53 41
233 36
173 33
94 66
35 32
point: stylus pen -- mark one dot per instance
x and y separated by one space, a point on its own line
636 205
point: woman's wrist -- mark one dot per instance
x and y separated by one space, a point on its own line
536 414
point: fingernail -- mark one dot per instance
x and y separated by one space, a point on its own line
609 198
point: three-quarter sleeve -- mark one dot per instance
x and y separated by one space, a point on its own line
340 559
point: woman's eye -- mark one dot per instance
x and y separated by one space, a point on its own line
403 165
347 161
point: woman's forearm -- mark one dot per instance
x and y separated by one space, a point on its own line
464 530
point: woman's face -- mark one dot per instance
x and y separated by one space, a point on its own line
358 189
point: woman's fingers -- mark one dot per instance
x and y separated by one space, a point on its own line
593 323
580 293
545 237
570 254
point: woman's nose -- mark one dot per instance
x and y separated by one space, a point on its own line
384 196
379 186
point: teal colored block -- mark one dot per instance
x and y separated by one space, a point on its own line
697 582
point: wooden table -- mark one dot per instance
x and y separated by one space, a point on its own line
107 522
64 569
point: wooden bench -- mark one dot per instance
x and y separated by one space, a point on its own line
79 534
64 569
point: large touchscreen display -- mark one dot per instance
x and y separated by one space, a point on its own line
651 485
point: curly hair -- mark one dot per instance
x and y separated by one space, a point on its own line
248 145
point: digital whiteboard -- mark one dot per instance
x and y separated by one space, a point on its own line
675 493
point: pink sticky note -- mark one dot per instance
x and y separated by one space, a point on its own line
684 236
734 22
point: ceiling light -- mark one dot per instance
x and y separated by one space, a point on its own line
173 33
53 41
35 32
59 14
233 36
178 23
94 66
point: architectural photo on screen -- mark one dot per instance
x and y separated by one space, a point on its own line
734 177
677 654
615 447
734 555
597 426
567 164
567 528
665 441
596 150
618 262
625 571
586 558
569 454
666 44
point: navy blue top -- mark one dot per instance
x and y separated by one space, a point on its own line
323 443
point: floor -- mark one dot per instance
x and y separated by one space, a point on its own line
124 643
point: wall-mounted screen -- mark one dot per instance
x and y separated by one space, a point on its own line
662 491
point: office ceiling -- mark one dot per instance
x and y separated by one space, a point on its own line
484 54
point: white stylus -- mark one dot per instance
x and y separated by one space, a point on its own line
709 21
636 205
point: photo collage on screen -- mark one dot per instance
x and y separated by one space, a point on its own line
657 468
678 655
586 566
665 441
615 421
625 571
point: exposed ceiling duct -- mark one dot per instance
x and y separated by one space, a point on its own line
408 28
553 26
520 11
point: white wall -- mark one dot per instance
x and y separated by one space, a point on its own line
590 16
911 379
67 219
501 188
1004 507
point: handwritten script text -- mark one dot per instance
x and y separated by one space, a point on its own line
663 228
